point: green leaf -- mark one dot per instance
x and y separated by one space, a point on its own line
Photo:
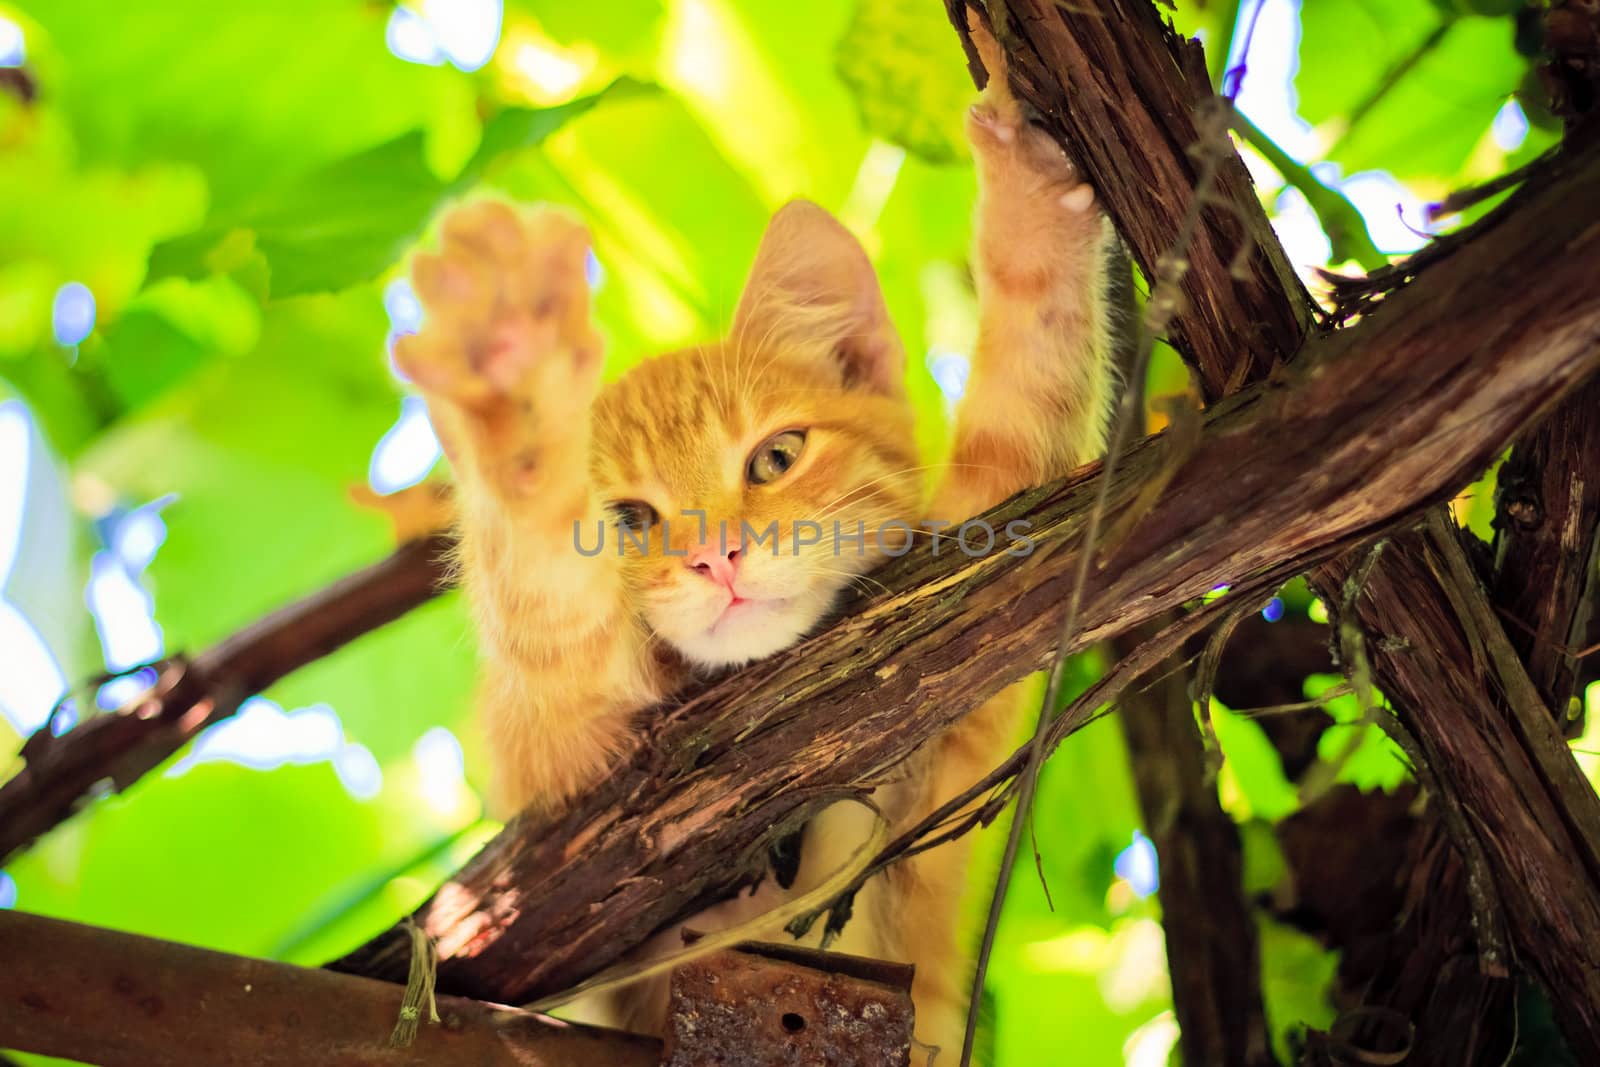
1089 772
369 906
1374 761
250 98
903 63
1296 975
339 226
261 450
1252 780
627 32
680 237
1332 82
515 128
1264 865
60 223
348 222
223 856
144 353
1420 94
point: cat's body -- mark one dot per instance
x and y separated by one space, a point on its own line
799 415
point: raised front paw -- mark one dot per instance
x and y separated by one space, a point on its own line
506 310
1017 159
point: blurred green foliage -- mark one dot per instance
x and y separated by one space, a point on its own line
237 186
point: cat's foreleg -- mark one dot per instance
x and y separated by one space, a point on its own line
509 363
1039 395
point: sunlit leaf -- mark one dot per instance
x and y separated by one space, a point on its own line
349 221
1295 974
902 61
1419 93
626 31
1367 758
1252 776
252 99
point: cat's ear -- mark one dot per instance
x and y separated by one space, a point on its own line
813 292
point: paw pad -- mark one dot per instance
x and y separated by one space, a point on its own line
1079 198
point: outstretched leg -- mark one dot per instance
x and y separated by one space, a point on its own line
509 364
1039 396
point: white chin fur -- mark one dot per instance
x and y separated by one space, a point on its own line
759 633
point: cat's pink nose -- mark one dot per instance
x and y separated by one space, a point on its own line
712 562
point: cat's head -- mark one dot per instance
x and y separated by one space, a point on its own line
794 423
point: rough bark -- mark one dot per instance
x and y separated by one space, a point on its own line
1498 754
1547 519
116 999
1130 119
1366 425
1213 953
61 773
1387 887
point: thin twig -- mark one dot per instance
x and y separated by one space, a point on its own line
191 694
1328 696
1205 681
1470 195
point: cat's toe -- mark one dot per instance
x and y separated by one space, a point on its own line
1042 155
984 122
1078 199
506 292
487 231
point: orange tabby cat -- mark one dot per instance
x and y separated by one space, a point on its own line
798 416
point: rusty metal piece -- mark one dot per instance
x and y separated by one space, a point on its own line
770 1005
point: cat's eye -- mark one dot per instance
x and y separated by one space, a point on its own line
633 514
776 455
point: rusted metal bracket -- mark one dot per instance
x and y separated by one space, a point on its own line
761 1005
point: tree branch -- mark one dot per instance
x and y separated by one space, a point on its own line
120 747
1547 542
1212 949
1106 129
116 999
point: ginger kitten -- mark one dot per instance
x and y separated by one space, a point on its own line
798 416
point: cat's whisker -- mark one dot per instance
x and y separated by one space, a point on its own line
813 567
830 507
716 381
747 362
899 472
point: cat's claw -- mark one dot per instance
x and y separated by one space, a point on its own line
506 307
1015 155
987 121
